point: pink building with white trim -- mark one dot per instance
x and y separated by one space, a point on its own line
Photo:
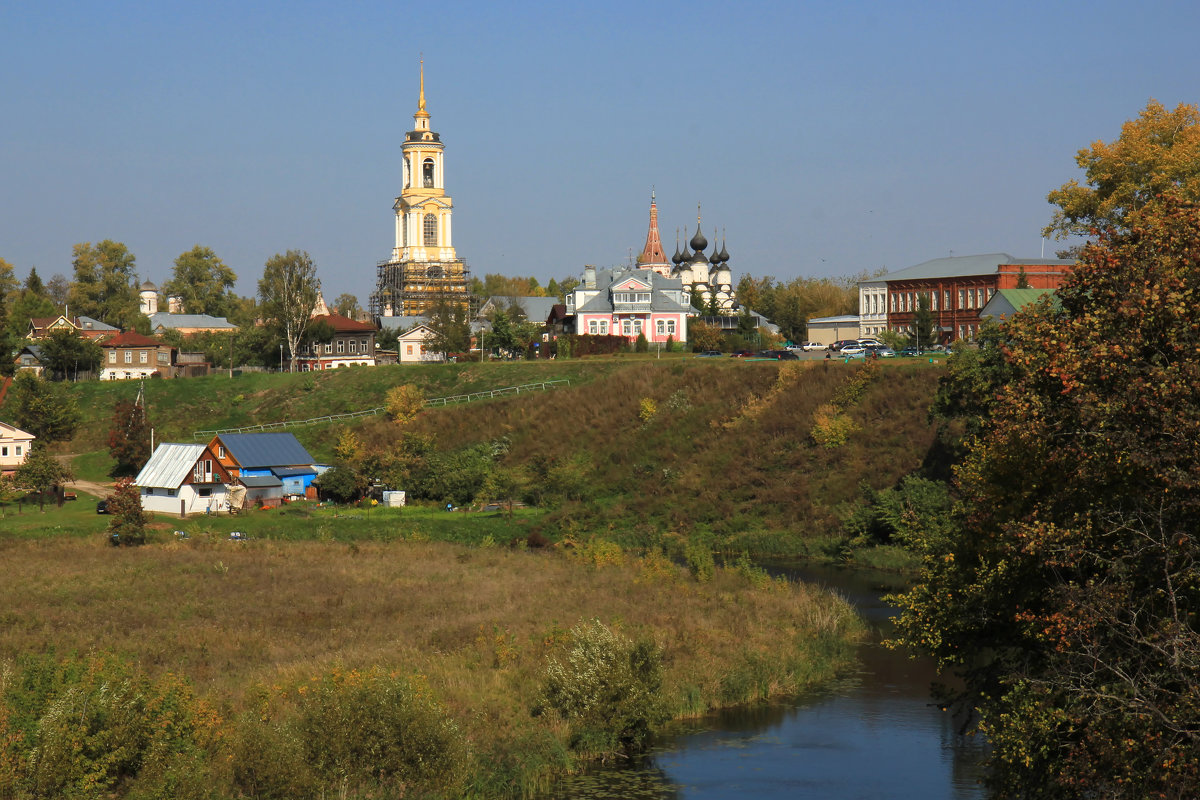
626 302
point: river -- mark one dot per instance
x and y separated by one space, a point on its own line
874 736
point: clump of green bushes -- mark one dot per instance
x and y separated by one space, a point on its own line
97 726
608 689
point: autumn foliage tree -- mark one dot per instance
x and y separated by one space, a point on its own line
1157 153
127 520
1066 593
129 438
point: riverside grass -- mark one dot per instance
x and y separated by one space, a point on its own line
252 625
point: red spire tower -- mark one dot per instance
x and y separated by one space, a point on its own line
652 256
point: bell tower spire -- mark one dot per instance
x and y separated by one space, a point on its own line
652 256
421 118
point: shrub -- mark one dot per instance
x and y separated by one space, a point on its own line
647 408
90 727
608 689
642 345
699 560
831 428
375 729
404 403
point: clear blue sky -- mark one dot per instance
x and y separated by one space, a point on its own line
826 138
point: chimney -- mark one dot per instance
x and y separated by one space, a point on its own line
589 276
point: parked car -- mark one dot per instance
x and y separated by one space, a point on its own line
840 343
780 355
810 346
742 354
710 354
883 351
852 349
909 352
102 507
870 342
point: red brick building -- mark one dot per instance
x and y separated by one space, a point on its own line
959 287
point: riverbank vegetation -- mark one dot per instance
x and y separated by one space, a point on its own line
214 668
1064 588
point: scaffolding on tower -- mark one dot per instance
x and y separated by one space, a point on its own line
414 288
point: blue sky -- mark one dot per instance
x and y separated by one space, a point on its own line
825 138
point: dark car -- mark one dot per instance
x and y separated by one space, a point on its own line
102 507
840 343
780 355
742 354
710 354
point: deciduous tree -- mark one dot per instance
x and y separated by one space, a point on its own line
127 523
41 472
1156 153
347 305
451 331
105 285
66 354
702 336
45 409
203 281
289 289
129 438
404 403
1066 591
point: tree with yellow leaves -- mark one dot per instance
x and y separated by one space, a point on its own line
1155 153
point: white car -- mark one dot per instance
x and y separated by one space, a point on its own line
808 346
852 350
870 343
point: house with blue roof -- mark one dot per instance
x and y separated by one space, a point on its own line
272 466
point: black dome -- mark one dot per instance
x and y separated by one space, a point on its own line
698 241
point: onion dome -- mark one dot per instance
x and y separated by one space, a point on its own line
698 241
724 253
686 255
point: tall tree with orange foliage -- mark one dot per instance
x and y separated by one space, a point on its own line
1067 593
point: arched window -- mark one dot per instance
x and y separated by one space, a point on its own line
428 172
407 173
430 230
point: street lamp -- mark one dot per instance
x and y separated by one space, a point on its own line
281 358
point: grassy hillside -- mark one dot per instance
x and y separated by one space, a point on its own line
718 450
727 455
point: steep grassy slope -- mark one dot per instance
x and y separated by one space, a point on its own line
725 456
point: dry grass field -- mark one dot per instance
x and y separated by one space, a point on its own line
244 620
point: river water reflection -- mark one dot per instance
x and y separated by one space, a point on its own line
875 736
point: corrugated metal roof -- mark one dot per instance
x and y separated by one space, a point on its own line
266 450
963 266
169 465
